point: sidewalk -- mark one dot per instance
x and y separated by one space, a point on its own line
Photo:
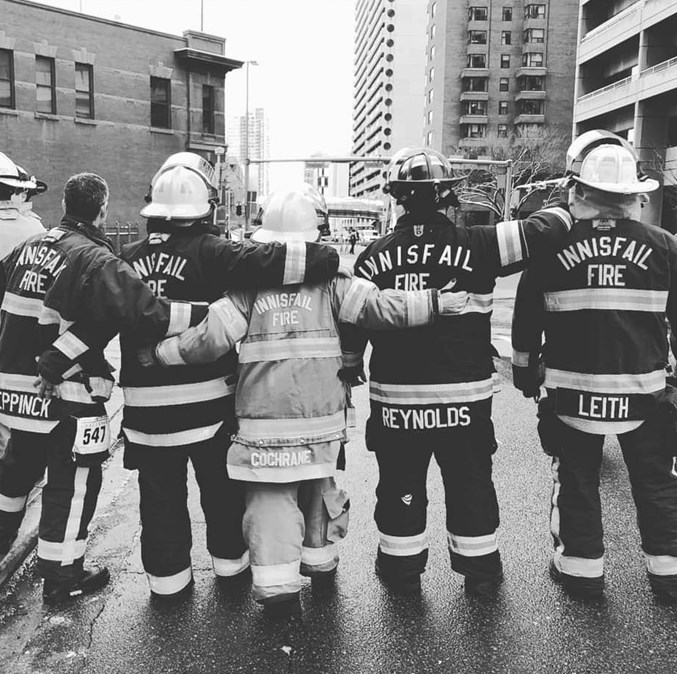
27 537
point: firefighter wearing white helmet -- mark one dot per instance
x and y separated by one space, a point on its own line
184 415
291 403
18 222
431 389
601 298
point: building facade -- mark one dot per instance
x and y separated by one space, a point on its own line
390 53
330 178
80 93
495 68
259 148
626 82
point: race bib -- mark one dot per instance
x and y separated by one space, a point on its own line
92 435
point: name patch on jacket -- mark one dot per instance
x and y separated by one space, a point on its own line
424 419
603 406
281 459
285 307
418 253
28 405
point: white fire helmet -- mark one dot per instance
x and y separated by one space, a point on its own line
183 189
14 176
607 162
288 215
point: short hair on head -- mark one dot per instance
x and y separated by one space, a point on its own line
84 195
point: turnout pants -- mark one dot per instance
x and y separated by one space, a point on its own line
464 456
292 529
166 537
576 517
68 498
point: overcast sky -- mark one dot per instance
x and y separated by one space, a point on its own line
304 49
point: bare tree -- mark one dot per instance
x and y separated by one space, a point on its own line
536 157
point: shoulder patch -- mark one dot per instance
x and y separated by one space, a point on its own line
54 234
156 238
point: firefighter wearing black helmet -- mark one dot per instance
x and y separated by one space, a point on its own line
431 387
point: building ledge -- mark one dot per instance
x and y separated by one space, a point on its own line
46 115
530 95
531 71
475 72
472 141
474 119
475 96
84 120
208 60
158 129
530 119
9 111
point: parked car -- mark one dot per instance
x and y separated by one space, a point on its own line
369 235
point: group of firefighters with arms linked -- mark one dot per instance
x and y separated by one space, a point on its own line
239 359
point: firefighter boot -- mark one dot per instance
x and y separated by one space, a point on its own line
282 606
482 586
578 586
88 580
399 582
664 587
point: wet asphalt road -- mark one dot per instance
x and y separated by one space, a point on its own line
531 626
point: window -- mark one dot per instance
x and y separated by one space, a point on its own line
507 14
45 89
474 130
503 107
532 59
429 117
505 60
433 8
531 83
477 36
6 78
477 60
84 91
506 37
432 32
474 107
432 52
534 11
504 84
528 107
478 14
534 35
475 83
429 139
431 74
502 130
207 108
431 95
160 103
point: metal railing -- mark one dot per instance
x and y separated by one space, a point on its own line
612 21
122 233
659 66
609 87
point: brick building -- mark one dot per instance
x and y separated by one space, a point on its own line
80 93
498 67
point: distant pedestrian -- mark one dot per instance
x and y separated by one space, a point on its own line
353 239
601 298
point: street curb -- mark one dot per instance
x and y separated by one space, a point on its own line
27 537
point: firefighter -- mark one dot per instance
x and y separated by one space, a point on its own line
601 298
18 221
52 280
431 388
291 404
181 414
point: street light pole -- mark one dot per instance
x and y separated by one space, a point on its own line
246 145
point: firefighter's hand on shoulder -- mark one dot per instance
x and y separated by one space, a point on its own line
45 389
344 270
450 303
147 356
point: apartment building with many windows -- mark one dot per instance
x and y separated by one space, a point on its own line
497 68
626 81
80 93
390 52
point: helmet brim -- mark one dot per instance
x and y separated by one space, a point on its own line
17 182
263 235
640 187
155 210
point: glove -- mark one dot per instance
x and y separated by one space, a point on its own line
344 270
529 380
147 356
451 303
45 389
354 376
